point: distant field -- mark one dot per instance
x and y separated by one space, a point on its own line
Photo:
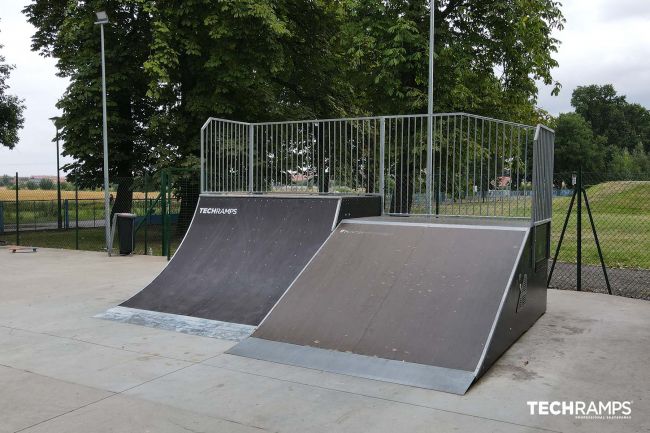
42 194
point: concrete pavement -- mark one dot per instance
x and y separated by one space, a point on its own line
61 370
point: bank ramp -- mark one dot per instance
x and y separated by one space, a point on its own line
424 302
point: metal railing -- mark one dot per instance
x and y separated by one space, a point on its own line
445 164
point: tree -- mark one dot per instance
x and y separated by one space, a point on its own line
623 125
575 144
11 108
488 56
46 184
67 32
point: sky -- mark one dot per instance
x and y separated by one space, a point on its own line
604 41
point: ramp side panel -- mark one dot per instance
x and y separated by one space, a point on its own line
517 317
417 294
233 267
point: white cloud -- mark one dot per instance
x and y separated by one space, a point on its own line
604 42
35 81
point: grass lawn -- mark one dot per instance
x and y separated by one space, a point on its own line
622 216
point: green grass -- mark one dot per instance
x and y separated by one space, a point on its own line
621 212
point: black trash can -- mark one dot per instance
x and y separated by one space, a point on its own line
126 232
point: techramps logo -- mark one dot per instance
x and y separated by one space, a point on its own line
218 211
583 410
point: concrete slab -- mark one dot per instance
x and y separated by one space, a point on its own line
125 414
81 363
278 405
28 398
587 347
567 355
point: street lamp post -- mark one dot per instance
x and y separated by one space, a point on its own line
59 218
102 18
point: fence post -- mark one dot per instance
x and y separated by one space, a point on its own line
146 208
202 180
2 218
17 214
66 213
382 152
76 212
579 231
163 210
429 162
168 235
251 132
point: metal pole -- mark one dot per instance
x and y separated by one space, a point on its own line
107 210
432 18
251 160
146 211
76 213
579 232
17 214
58 181
600 251
382 154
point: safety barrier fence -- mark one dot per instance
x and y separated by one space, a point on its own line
445 164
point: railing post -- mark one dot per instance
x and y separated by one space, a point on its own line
146 210
163 211
66 213
382 152
429 162
202 182
76 212
17 214
251 134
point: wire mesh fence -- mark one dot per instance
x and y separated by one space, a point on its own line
74 218
620 206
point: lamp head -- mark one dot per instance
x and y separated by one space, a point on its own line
102 17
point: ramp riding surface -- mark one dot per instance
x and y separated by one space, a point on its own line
421 303
242 252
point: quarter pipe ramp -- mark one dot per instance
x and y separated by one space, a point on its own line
242 252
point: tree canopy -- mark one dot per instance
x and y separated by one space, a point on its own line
606 133
11 108
172 64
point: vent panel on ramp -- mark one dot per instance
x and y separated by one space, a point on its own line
413 303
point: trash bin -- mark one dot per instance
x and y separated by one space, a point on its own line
126 232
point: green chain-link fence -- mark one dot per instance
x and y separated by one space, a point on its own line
621 212
74 219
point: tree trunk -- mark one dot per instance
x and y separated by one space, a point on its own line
123 201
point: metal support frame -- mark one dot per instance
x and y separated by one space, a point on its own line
580 192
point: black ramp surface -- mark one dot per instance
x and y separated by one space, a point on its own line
419 294
233 266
